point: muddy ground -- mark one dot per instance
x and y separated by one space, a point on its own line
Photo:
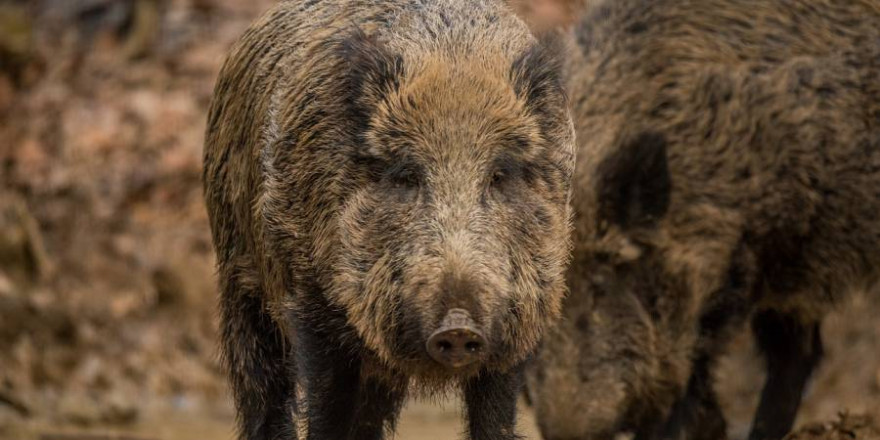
107 319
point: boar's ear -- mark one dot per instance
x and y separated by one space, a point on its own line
371 72
634 182
537 76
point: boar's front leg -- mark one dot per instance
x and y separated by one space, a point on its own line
339 403
377 409
697 415
254 355
792 349
491 404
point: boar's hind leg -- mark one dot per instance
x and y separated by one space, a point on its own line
491 404
340 404
254 355
792 349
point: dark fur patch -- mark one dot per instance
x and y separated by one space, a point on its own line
372 72
406 338
537 75
634 182
637 27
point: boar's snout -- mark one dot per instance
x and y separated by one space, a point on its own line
458 341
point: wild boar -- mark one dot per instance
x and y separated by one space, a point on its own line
728 171
388 186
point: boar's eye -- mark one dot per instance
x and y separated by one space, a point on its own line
504 171
403 177
498 177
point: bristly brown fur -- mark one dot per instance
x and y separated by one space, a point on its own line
728 170
370 165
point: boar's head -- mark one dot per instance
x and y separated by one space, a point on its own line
454 230
648 262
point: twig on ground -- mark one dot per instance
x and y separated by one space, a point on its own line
8 399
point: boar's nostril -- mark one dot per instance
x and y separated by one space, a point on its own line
458 341
444 345
472 346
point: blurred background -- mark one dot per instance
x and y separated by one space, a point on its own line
107 301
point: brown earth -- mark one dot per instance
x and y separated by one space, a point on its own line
107 319
846 427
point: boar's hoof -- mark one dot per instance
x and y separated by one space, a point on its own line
458 341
